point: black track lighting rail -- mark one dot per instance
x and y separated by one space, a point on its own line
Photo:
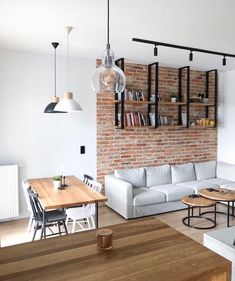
192 49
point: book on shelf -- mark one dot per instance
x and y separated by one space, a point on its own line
134 119
135 95
162 120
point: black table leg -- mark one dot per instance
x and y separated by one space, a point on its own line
215 214
44 224
96 215
188 215
228 211
233 208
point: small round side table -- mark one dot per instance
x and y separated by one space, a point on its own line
198 202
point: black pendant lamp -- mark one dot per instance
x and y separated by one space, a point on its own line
51 106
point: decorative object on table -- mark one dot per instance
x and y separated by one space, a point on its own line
104 239
174 97
63 185
57 181
68 104
50 108
108 77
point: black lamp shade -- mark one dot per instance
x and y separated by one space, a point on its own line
50 108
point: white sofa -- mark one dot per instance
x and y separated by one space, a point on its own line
152 190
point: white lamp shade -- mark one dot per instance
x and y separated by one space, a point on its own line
68 104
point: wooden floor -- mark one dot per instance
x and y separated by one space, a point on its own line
14 232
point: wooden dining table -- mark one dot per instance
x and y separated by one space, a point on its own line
143 250
75 194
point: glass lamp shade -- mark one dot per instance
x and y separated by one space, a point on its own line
68 104
108 77
50 108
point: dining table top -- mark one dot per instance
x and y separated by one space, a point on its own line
144 249
75 194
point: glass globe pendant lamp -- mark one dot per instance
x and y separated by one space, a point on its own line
108 77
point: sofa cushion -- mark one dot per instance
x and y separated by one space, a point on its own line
158 175
148 197
196 185
136 177
173 192
182 173
226 171
228 185
217 181
205 170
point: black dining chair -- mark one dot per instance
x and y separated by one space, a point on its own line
87 179
52 218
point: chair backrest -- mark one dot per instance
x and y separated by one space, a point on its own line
97 187
25 185
35 205
87 179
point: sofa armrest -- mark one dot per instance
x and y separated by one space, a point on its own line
120 196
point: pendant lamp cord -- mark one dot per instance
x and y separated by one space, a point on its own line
68 57
55 70
108 44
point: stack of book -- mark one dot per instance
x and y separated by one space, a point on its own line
134 119
162 120
132 95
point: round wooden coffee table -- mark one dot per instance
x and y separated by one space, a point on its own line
222 195
198 202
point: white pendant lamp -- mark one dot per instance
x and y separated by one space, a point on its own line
68 104
108 77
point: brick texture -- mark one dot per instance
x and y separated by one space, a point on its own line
143 146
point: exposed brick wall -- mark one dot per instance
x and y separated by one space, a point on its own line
143 146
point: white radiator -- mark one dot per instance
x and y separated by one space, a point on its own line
9 191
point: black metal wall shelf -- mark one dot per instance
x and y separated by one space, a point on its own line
153 69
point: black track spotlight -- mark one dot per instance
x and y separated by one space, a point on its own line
224 60
155 51
191 56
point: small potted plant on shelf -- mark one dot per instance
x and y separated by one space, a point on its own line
57 181
174 97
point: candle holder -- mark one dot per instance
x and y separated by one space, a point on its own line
104 239
63 185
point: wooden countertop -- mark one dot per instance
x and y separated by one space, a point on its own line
143 250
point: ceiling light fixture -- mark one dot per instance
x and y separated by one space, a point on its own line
224 60
108 77
51 106
191 55
155 51
68 104
191 49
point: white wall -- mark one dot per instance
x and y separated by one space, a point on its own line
41 141
226 130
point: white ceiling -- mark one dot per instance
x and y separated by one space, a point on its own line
30 25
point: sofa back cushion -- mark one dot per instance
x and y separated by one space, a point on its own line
136 177
182 173
225 171
158 175
205 170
